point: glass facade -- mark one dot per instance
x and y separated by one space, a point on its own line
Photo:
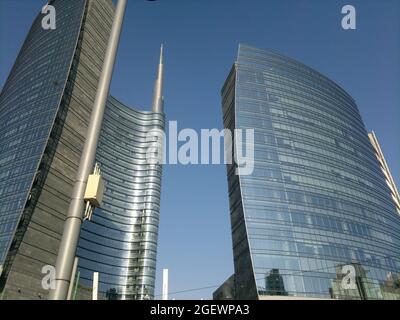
385 169
121 240
317 200
29 102
45 107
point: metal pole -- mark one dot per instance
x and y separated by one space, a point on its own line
95 286
73 222
71 285
78 276
165 285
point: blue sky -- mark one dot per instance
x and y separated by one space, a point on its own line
201 40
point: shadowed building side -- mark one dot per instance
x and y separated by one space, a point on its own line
45 107
44 110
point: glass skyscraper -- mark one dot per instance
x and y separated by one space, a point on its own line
45 106
317 202
121 240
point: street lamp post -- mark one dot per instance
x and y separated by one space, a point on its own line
75 216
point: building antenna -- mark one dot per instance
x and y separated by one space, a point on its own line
158 99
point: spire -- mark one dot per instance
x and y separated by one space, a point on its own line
161 53
158 99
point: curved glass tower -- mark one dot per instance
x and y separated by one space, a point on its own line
316 205
45 107
29 102
121 240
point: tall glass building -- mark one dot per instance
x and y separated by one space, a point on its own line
45 106
120 242
317 204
